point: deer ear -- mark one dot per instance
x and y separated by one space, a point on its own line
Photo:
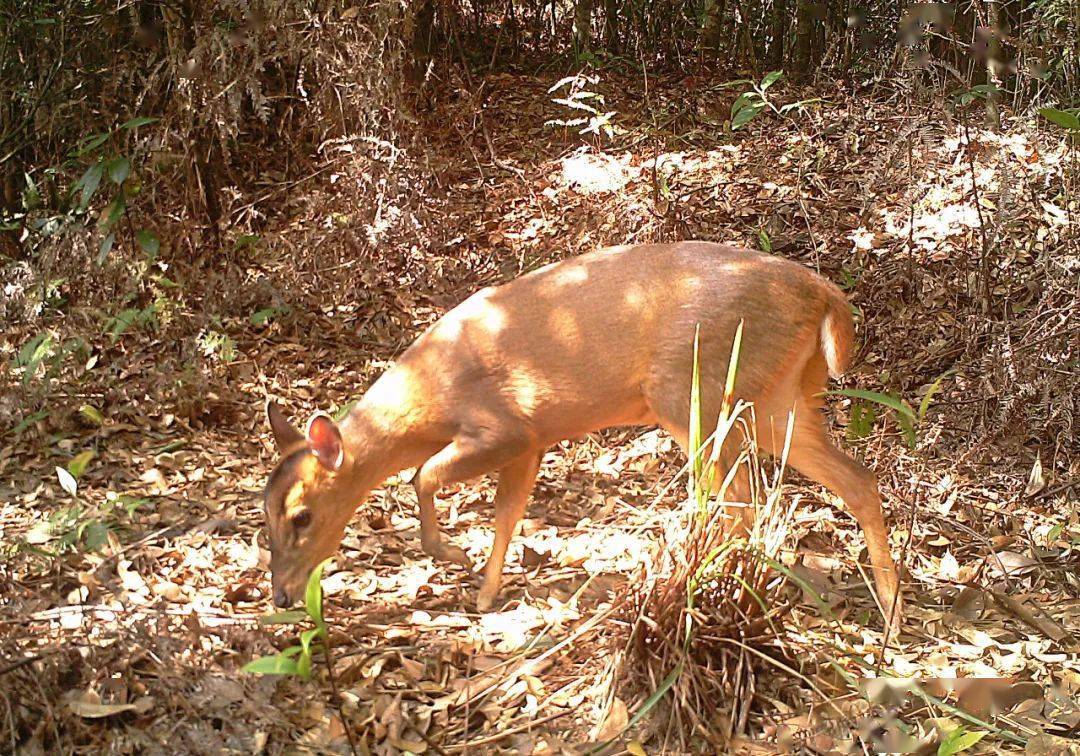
324 441
284 434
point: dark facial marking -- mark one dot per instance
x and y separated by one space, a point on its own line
285 470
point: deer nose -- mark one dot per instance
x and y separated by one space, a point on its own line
281 598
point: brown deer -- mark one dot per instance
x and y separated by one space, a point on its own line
604 339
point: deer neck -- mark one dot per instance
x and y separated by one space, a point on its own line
384 432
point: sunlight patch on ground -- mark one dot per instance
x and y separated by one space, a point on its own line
588 173
944 221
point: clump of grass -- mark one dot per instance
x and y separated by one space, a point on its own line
704 615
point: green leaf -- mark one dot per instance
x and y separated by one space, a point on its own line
106 247
265 315
862 420
246 240
924 405
886 400
695 430
798 105
1062 118
77 465
303 665
67 481
746 114
907 427
959 740
31 197
149 243
90 182
771 78
657 695
135 123
90 143
271 665
27 421
34 350
123 320
119 168
742 101
95 534
764 241
131 503
92 415
112 211
313 595
340 413
284 618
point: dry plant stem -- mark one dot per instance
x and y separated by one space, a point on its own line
911 222
507 733
984 270
337 698
1049 628
23 662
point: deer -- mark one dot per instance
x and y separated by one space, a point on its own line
600 340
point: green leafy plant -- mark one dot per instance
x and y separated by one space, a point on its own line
297 659
118 324
267 314
42 355
959 740
108 167
27 421
105 169
764 242
217 344
909 420
79 526
753 102
1066 119
708 577
978 92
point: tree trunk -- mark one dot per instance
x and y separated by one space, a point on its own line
779 34
582 24
422 42
994 63
804 25
611 25
713 25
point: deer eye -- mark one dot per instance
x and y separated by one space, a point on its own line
301 519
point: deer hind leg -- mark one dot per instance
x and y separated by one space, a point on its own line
516 481
463 459
814 456
739 509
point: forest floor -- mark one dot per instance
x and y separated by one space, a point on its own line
132 590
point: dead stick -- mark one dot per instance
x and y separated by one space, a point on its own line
506 733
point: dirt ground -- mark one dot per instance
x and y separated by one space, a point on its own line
131 599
